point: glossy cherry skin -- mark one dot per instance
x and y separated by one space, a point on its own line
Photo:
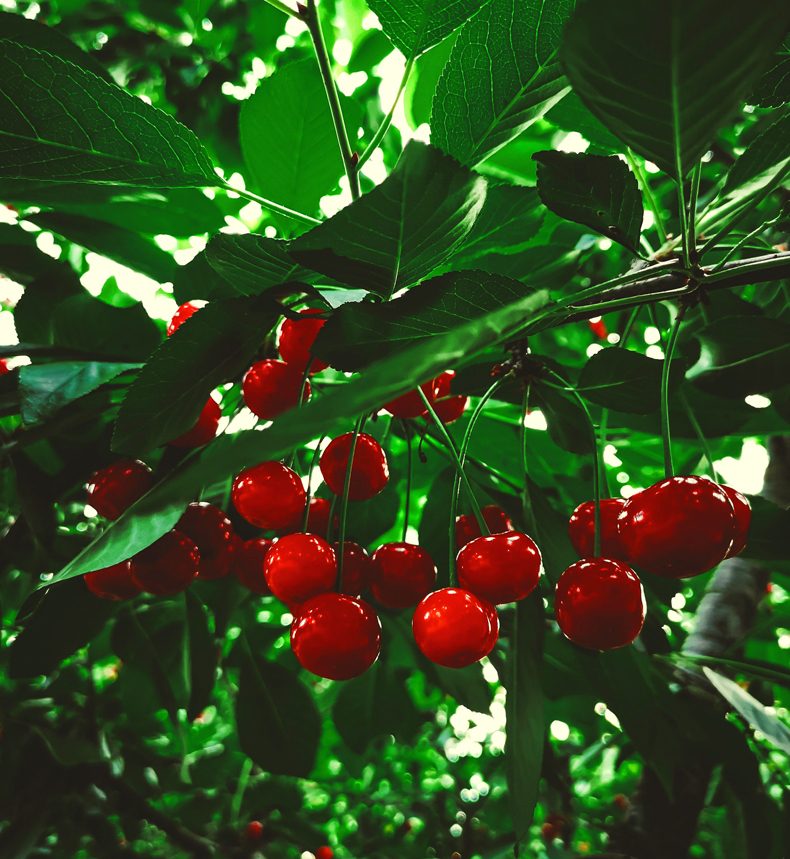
401 574
448 408
115 488
296 340
166 567
300 566
455 628
677 528
467 529
743 519
182 314
369 471
268 495
113 583
410 405
317 519
336 636
501 568
272 387
210 530
4 368
599 603
324 853
205 428
248 559
581 529
356 568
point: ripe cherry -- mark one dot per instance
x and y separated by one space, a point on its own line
115 488
254 830
356 568
4 368
743 519
467 529
324 853
182 314
248 561
300 566
205 427
455 628
369 471
677 528
268 495
296 340
167 566
401 574
501 568
272 387
448 408
317 519
210 530
598 327
581 529
336 636
410 405
113 583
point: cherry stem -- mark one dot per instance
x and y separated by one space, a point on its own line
341 536
529 513
700 435
302 387
669 470
651 203
692 221
407 434
306 512
330 528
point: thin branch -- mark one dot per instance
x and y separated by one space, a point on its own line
268 204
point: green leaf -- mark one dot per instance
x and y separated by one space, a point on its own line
570 114
198 280
202 656
418 95
539 266
45 388
416 25
769 531
397 234
58 122
773 88
435 521
502 76
566 421
551 532
665 77
598 191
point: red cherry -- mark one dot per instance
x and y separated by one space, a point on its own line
248 564
268 495
600 604
254 830
115 488
167 566
210 530
743 519
300 566
467 529
272 387
598 327
581 529
113 583
501 568
205 427
410 405
677 528
296 340
182 314
441 384
336 636
4 368
369 471
356 568
455 628
401 574
324 853
317 519
448 408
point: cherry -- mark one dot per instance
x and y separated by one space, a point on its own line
598 327
410 405
210 530
401 574
254 830
205 427
296 340
317 519
448 408
182 314
113 583
356 568
336 636
455 628
501 568
324 853
467 529
268 495
581 529
300 566
743 519
600 604
4 368
677 528
167 566
369 471
272 387
248 559
115 488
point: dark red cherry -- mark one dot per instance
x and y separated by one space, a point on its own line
210 530
248 561
166 567
401 574
600 604
598 327
448 408
336 636
4 368
317 519
501 568
254 830
743 519
182 314
113 583
272 387
356 568
454 628
581 529
369 471
324 853
268 495
296 340
115 488
677 528
467 529
204 429
300 566
410 405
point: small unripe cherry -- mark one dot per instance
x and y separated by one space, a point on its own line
210 530
204 430
300 566
114 489
296 340
369 470
182 314
268 495
272 387
113 583
166 567
248 562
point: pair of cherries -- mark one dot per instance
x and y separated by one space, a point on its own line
437 391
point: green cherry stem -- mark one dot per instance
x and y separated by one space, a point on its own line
669 469
313 461
305 375
407 435
341 536
649 198
268 204
529 513
700 435
330 528
382 129
692 221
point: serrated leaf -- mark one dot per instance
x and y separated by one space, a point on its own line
397 234
502 76
416 25
773 88
539 266
566 421
598 191
570 114
59 122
